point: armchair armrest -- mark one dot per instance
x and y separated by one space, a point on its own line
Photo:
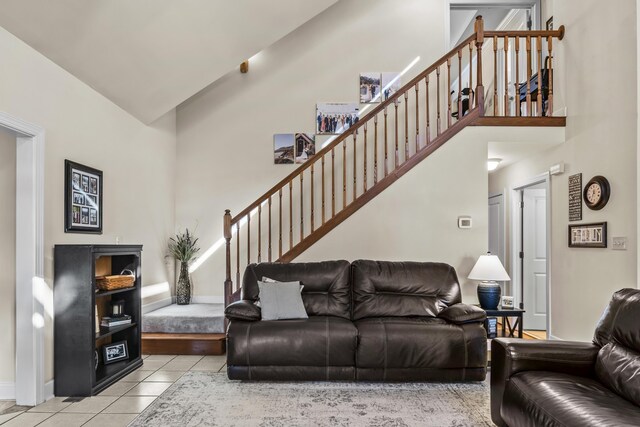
512 355
463 313
243 310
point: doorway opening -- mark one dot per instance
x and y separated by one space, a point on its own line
29 387
530 249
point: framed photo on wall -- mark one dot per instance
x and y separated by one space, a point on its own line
588 235
83 199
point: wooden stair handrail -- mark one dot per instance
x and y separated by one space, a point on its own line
354 128
559 33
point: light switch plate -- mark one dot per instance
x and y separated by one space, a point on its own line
619 243
465 222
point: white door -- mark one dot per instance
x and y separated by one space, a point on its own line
535 259
496 226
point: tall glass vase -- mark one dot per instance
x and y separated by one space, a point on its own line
183 289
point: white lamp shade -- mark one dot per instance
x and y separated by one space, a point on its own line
488 267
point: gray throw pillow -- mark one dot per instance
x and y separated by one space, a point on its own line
269 280
281 300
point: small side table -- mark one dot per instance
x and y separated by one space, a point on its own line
508 328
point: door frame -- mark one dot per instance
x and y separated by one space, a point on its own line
516 238
30 301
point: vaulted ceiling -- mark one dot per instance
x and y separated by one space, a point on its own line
148 56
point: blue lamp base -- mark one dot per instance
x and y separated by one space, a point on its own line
489 295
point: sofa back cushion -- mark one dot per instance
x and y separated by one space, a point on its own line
403 289
326 290
619 323
618 368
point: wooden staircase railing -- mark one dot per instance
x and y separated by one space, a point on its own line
390 140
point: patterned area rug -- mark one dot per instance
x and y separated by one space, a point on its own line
210 399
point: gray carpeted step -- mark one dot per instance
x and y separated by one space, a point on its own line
185 319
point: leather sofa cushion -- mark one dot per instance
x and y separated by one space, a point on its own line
540 398
382 288
422 342
326 289
619 369
243 310
316 341
619 322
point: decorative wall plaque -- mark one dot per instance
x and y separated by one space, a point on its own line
575 197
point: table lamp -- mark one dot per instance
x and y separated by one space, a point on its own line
488 269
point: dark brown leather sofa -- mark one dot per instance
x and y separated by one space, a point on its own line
369 320
560 383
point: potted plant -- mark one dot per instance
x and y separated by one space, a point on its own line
183 247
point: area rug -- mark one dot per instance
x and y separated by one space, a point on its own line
210 399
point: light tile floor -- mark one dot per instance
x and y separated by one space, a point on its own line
116 406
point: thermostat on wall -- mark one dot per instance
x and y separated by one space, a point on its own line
464 222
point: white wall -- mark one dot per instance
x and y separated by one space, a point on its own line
598 86
7 254
225 133
138 161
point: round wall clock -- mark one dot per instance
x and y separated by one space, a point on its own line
596 193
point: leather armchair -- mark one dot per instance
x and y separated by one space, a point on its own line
564 383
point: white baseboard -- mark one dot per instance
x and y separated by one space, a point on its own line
7 391
553 337
218 299
147 308
48 390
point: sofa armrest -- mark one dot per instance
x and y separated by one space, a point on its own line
243 310
512 355
463 313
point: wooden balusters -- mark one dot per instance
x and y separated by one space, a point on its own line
312 201
529 76
238 252
539 96
355 168
406 125
479 30
426 109
550 94
323 191
386 152
375 149
506 76
448 93
280 223
364 181
344 174
395 127
260 233
333 182
459 84
301 207
438 105
290 215
471 90
269 232
417 117
517 77
226 227
495 75
248 238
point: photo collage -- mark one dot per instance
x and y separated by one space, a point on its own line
334 118
85 206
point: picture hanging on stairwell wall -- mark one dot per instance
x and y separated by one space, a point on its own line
369 88
391 83
335 118
290 148
305 145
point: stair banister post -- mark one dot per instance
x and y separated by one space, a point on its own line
479 30
228 284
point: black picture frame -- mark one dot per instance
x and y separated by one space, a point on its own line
115 352
593 235
83 198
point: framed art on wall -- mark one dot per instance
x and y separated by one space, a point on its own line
588 235
83 199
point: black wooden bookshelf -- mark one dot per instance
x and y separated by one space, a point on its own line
76 337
